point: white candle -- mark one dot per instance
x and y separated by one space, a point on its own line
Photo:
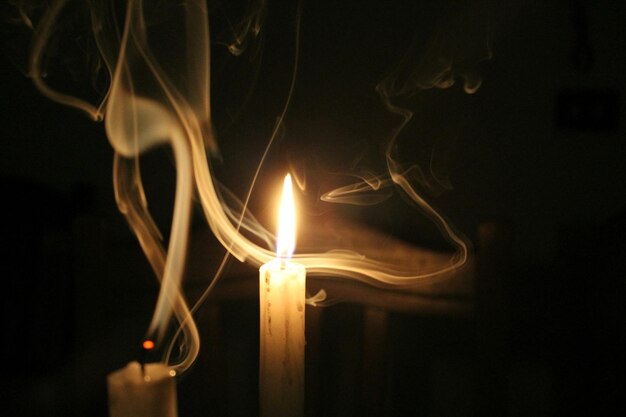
282 302
150 392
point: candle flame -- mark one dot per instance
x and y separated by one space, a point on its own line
286 241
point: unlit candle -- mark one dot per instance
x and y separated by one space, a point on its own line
147 392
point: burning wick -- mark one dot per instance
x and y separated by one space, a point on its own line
281 303
146 347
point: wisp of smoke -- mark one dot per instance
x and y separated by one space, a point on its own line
158 58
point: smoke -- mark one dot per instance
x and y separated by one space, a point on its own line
370 190
158 58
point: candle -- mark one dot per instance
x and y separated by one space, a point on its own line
147 392
282 301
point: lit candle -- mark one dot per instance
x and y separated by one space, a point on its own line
282 300
148 391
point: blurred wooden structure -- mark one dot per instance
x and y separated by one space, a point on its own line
436 349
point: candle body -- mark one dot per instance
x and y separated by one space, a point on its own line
133 393
281 350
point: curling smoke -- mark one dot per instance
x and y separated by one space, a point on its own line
158 58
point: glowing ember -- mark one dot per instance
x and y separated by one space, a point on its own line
148 344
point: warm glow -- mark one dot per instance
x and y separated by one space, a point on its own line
286 241
160 94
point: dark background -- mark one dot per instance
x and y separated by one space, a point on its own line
538 150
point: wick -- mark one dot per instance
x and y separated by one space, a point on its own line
146 347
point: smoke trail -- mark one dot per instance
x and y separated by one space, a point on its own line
158 57
42 33
370 190
132 203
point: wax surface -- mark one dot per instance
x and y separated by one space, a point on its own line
281 350
151 393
